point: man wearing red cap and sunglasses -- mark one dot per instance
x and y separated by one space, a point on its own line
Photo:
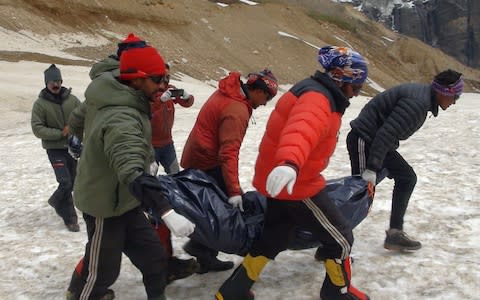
76 121
214 143
113 187
177 268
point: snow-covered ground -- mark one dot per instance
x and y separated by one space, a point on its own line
38 254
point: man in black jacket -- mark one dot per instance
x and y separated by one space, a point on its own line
390 117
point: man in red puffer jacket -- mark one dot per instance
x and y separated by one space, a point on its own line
299 140
214 143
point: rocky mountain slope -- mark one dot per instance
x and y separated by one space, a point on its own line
204 39
450 25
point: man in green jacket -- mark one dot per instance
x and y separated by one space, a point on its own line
49 123
113 187
178 268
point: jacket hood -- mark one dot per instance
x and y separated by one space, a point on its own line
231 86
106 90
434 102
108 64
341 101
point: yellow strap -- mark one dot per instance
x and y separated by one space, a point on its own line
219 296
335 272
254 265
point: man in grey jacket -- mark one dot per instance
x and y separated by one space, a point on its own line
390 117
49 123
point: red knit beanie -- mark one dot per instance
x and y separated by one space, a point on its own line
140 63
131 41
131 38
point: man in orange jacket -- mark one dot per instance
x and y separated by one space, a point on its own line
214 143
299 140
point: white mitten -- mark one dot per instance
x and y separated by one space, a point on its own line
280 177
370 176
236 201
153 168
185 96
166 96
178 224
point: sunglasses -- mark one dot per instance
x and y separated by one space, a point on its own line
356 88
160 79
456 96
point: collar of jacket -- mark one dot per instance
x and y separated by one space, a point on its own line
106 90
244 91
55 98
434 102
340 100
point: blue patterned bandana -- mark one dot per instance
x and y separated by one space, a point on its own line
343 64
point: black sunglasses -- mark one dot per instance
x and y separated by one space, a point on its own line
356 88
160 79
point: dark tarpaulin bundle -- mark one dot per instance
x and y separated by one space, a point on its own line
222 227
218 225
350 196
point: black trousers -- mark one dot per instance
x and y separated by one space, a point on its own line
317 214
65 168
398 170
130 233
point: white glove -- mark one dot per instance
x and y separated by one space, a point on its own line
153 168
166 96
185 96
280 177
370 176
236 201
178 224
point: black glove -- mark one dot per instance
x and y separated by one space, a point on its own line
74 146
147 189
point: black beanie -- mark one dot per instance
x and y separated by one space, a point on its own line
52 74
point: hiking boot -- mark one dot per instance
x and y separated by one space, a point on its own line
337 283
73 227
214 264
398 240
181 268
206 257
248 296
109 295
54 202
237 286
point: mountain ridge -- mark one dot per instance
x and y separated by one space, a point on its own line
203 39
